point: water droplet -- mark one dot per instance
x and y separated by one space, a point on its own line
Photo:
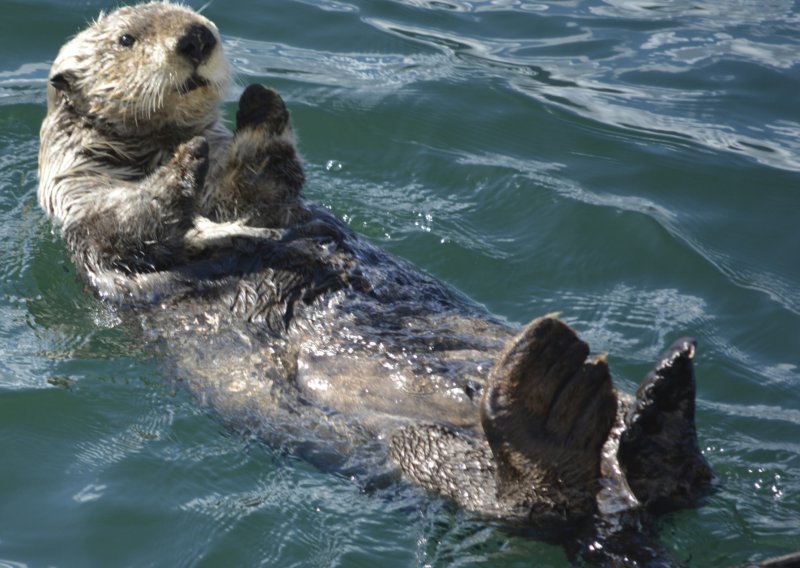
334 166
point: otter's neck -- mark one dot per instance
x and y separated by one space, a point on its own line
127 151
139 153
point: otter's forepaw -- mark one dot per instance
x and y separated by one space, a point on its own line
547 411
658 449
190 164
260 106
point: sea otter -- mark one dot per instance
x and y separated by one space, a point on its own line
292 326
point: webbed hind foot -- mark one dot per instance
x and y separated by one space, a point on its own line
546 412
658 450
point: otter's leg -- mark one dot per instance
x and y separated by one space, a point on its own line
261 179
658 449
547 412
453 463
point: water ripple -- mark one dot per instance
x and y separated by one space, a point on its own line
704 15
386 211
603 73
372 74
759 412
631 322
98 453
738 271
544 174
26 84
580 68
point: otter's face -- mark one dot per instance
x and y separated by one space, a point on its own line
144 68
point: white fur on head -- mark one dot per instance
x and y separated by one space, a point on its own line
142 85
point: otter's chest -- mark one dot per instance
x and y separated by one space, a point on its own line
131 158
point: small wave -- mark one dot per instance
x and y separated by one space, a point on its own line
99 453
373 75
388 211
633 322
12 564
778 288
310 524
26 84
580 71
759 412
331 5
545 175
89 493
705 15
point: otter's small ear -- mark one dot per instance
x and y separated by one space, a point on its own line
62 81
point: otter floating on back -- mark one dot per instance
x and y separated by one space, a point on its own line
289 324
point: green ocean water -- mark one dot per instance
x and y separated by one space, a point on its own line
631 164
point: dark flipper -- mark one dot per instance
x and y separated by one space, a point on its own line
260 105
546 412
658 450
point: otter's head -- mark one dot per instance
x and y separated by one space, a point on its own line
146 67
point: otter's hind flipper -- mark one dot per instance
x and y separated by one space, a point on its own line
546 412
658 450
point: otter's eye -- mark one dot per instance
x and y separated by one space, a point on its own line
126 40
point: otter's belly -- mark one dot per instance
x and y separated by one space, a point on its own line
361 383
425 367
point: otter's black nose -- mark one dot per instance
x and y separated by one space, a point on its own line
197 44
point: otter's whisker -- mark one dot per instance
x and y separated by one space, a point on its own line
204 6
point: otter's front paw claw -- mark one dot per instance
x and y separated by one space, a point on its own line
259 106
